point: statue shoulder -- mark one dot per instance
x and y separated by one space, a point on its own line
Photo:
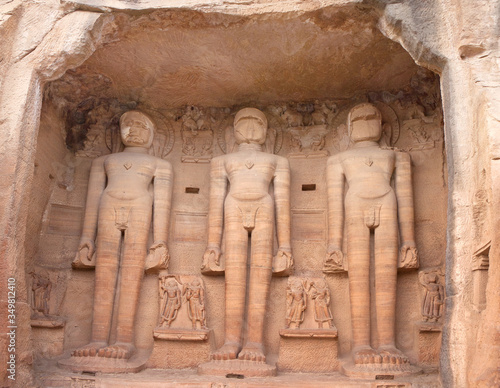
99 161
337 158
281 160
162 163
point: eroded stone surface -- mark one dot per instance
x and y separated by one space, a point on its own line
456 39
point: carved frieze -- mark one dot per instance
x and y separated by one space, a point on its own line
308 312
182 314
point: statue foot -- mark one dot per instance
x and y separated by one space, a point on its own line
365 355
119 350
89 350
227 351
391 355
252 352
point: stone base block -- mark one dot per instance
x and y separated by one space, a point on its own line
429 343
379 371
48 340
237 369
106 365
175 353
316 352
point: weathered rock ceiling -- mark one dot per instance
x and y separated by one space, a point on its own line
174 58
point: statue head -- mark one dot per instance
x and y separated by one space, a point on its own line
196 282
364 122
250 126
431 278
320 283
136 129
296 284
171 283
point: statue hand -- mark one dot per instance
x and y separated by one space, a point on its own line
158 256
408 255
283 264
334 260
212 254
85 257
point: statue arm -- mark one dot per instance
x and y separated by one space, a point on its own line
404 194
218 189
97 183
335 187
282 203
163 182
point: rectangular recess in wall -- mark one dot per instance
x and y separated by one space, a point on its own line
309 187
192 190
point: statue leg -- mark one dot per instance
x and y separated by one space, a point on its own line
358 256
386 257
134 251
259 282
106 272
235 279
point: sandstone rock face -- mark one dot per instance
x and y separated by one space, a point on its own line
71 69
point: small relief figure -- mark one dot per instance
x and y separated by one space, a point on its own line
432 307
197 137
41 287
321 296
296 303
195 296
170 301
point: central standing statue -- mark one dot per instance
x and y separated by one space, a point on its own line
248 209
371 207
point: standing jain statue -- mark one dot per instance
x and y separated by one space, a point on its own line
371 208
248 209
124 188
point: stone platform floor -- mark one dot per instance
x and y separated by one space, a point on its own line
49 375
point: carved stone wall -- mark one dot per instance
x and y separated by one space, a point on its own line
188 221
47 146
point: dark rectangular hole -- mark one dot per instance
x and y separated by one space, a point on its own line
384 377
88 373
192 190
310 187
234 376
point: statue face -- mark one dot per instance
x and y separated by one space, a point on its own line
171 283
365 123
136 129
250 126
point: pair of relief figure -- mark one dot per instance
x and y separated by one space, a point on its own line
125 187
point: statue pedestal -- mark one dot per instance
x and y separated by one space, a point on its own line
106 365
379 371
308 350
237 369
180 348
429 342
48 336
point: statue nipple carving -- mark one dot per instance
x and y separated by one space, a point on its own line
248 209
123 190
372 209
